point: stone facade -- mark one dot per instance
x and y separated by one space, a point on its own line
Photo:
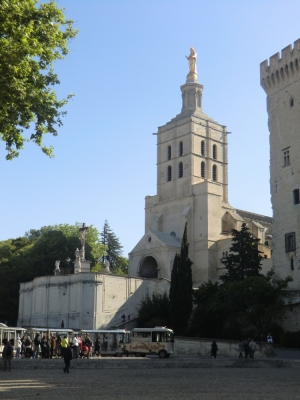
83 300
280 80
192 187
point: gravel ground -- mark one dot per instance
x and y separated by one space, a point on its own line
205 383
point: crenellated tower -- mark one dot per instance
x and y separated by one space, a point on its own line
280 78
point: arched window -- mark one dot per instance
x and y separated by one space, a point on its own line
214 151
169 153
202 169
180 170
180 149
202 148
214 173
169 173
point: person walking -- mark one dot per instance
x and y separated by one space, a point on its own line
37 342
214 349
18 347
246 349
241 348
67 354
7 355
270 338
75 346
63 345
253 348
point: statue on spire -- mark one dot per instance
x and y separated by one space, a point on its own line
192 60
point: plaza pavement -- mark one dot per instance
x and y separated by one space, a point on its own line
206 383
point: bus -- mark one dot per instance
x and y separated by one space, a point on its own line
9 333
158 340
112 342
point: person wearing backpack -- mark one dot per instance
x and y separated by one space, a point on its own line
7 355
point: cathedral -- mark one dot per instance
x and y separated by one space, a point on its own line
192 187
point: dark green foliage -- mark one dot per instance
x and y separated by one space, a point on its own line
181 289
25 258
33 36
113 250
228 310
290 339
154 311
244 259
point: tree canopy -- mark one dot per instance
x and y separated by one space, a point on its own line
244 258
33 255
33 36
118 263
154 311
181 289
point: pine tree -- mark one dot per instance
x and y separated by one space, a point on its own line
114 248
244 258
181 289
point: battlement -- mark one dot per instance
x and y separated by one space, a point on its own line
279 71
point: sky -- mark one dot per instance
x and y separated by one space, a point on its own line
125 68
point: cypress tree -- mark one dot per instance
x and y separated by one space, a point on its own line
244 258
114 248
181 289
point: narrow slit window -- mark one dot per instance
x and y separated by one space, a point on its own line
169 173
296 196
291 102
169 152
286 158
202 148
202 169
180 170
290 242
214 173
292 264
180 149
214 151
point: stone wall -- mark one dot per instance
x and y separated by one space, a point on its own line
84 300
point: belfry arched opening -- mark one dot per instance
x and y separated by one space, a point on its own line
149 268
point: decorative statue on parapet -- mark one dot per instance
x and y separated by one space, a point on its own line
57 269
77 265
192 60
107 266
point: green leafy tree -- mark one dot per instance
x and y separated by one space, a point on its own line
244 258
154 311
113 249
32 37
181 289
25 258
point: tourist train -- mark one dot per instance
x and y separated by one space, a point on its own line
110 342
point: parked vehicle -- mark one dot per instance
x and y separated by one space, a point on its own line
158 340
111 342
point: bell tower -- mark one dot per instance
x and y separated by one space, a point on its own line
280 78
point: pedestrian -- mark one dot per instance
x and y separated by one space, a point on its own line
18 347
7 355
67 353
28 347
75 346
253 348
241 348
37 343
88 344
246 348
214 349
269 338
53 347
63 345
97 345
44 347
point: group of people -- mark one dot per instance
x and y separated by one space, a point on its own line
248 347
53 346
